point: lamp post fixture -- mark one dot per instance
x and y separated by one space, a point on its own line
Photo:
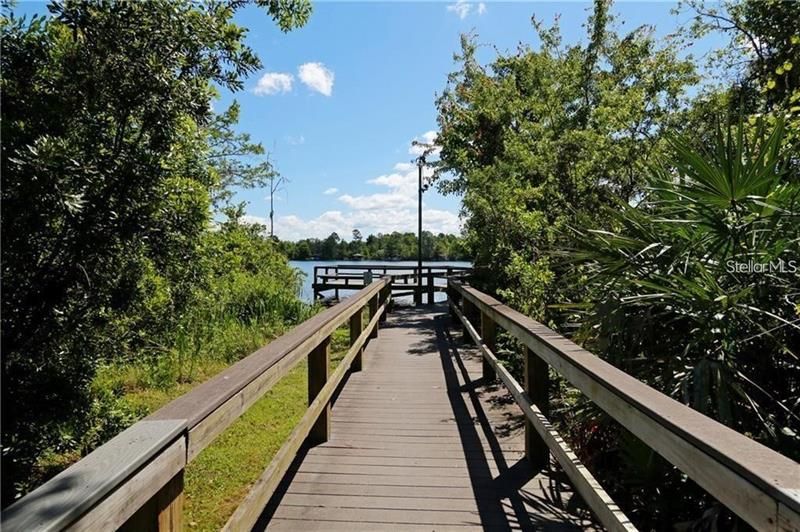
418 291
426 149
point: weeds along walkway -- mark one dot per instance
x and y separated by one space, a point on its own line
419 442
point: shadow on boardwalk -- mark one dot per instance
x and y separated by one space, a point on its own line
420 442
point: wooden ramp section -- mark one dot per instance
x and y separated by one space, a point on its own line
419 442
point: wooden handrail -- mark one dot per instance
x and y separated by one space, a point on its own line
146 451
135 480
398 267
757 483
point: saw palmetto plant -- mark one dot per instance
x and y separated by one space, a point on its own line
695 289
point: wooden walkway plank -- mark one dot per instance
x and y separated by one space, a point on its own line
418 442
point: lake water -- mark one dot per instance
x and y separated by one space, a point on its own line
307 267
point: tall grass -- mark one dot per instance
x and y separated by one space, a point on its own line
239 313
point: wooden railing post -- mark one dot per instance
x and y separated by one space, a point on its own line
318 371
162 513
452 296
373 309
385 297
537 383
170 505
489 337
430 286
467 311
355 332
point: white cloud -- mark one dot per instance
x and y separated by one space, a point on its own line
292 227
393 207
295 141
424 141
371 202
273 83
317 77
462 8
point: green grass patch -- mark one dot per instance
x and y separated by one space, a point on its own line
220 476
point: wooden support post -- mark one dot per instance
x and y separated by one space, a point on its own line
355 331
386 295
489 337
466 310
170 503
319 363
537 383
162 513
430 286
373 309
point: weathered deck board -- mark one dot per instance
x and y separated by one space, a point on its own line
418 442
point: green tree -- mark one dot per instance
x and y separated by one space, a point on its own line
758 68
330 247
695 291
302 251
541 138
230 157
106 191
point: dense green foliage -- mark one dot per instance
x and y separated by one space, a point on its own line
542 138
393 246
710 258
112 159
593 217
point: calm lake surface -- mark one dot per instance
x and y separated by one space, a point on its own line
307 267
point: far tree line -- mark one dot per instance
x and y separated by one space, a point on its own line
390 246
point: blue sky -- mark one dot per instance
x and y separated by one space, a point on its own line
340 100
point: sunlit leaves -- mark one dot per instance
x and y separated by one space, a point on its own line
703 269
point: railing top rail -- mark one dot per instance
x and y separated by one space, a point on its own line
443 267
774 474
59 502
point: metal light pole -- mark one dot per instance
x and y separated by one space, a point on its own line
418 291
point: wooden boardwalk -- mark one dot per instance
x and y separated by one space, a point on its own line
419 442
416 440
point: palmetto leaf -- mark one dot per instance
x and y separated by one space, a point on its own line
663 289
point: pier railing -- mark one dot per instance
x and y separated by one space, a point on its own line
135 481
407 280
758 484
